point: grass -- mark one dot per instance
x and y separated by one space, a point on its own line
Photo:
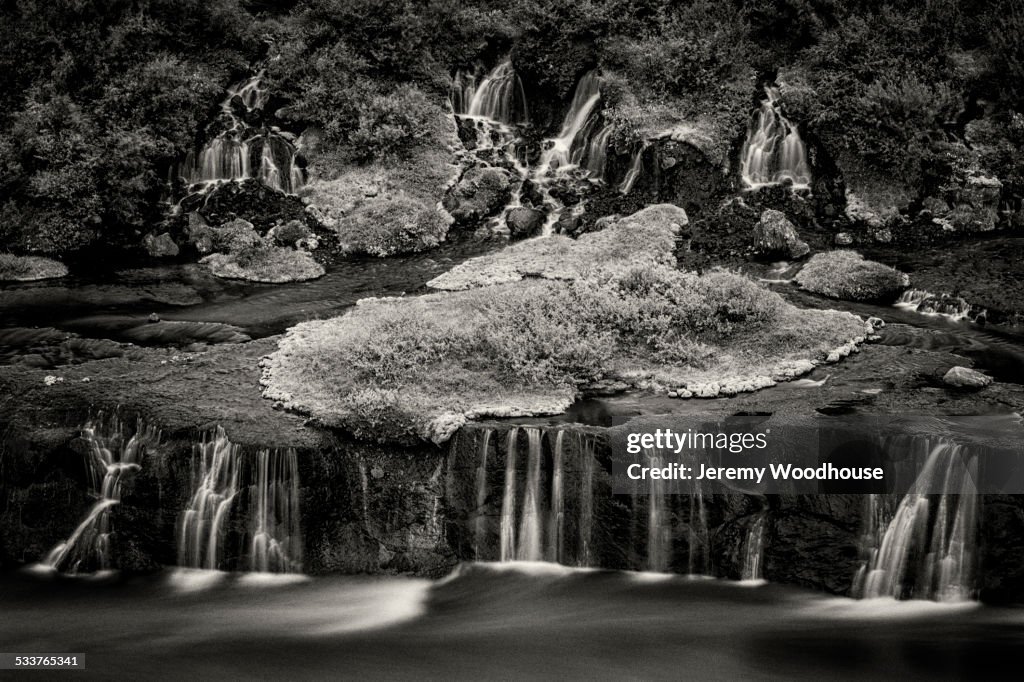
265 263
388 226
29 268
401 369
847 275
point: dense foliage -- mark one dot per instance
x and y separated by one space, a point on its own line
102 99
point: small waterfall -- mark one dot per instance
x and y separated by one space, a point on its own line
568 148
498 96
659 531
228 485
110 459
556 519
698 561
753 550
597 151
276 540
773 152
587 502
508 501
229 156
530 541
927 303
202 530
480 523
927 550
635 169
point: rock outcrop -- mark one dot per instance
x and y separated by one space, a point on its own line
775 235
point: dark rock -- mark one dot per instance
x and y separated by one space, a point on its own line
480 194
160 246
524 222
775 235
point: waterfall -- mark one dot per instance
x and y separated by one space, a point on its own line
773 152
263 489
927 303
556 519
276 540
927 550
508 501
110 458
202 530
498 96
481 493
635 169
530 542
697 533
568 147
228 156
753 550
587 502
597 151
659 532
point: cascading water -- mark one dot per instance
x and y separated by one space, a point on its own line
110 459
659 531
480 522
927 549
753 550
529 547
927 303
635 169
556 518
263 489
202 530
508 501
229 156
498 96
773 152
276 539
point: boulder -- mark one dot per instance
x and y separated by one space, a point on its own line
524 222
775 235
480 194
965 377
160 245
289 233
231 237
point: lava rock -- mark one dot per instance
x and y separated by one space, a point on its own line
774 235
965 377
524 222
160 246
481 193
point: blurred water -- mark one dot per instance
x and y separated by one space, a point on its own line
487 621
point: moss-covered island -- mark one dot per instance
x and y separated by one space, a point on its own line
530 328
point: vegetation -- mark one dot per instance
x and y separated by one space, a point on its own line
29 268
389 226
406 368
102 100
265 263
846 275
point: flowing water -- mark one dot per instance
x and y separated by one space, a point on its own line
113 452
240 151
495 621
773 152
753 550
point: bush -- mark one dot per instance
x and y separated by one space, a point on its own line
265 263
29 268
846 275
391 124
390 226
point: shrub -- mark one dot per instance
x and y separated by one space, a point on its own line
265 263
390 226
29 268
391 124
846 275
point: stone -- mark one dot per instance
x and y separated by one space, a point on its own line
160 245
479 194
965 377
775 235
844 239
153 317
524 222
977 204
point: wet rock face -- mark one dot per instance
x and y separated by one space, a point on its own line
160 245
775 235
973 208
480 194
